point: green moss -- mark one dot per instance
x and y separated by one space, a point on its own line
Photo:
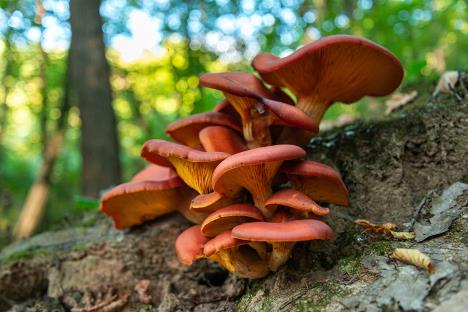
322 295
244 302
145 308
80 246
25 255
349 264
380 248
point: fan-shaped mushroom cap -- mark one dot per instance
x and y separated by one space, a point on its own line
193 166
221 139
185 130
253 170
133 203
228 217
291 231
295 200
212 201
318 181
249 96
337 68
154 173
189 245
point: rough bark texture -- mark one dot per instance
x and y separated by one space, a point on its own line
90 76
395 169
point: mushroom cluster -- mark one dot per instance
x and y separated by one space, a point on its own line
239 173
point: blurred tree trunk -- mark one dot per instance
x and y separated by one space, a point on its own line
44 59
33 208
4 80
91 86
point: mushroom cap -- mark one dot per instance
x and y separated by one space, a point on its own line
296 200
221 242
318 181
291 231
133 203
154 173
193 166
211 202
185 130
228 217
189 245
290 115
156 151
221 139
240 164
339 68
236 83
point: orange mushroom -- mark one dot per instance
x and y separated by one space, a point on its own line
186 130
253 170
318 181
212 201
193 166
256 105
133 203
228 217
295 200
189 245
282 236
337 68
236 256
221 139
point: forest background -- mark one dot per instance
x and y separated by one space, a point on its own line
83 83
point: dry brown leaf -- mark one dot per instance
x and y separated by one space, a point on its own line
403 235
387 229
398 100
414 257
370 227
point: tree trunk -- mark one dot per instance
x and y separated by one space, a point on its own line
91 86
33 208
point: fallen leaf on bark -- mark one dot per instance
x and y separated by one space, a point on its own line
387 229
400 99
414 257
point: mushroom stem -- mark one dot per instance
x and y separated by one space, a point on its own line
279 254
244 262
260 199
315 108
255 120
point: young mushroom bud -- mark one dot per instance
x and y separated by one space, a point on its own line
189 245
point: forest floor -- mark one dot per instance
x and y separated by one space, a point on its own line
409 168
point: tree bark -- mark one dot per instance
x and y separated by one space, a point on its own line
91 86
390 166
